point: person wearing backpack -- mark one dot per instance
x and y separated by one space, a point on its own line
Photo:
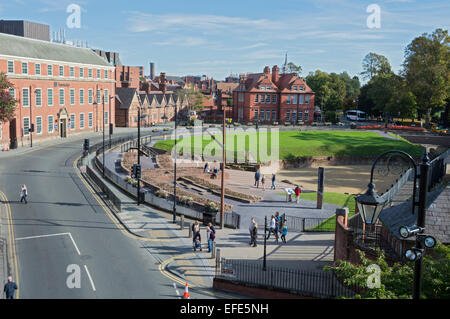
210 235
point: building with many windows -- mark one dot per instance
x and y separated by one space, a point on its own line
273 97
60 89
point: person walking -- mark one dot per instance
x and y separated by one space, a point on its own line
297 191
277 222
283 233
10 288
254 234
23 194
273 228
273 181
206 168
263 182
257 177
210 236
195 229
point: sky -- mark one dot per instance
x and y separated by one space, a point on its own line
217 38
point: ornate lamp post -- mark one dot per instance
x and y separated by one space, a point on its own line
370 206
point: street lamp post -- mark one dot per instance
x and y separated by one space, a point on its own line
371 204
139 155
103 133
175 170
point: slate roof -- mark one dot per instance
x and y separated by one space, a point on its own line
38 49
125 96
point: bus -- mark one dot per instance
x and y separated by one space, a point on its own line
355 115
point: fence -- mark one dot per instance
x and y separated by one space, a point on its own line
111 196
305 224
231 219
306 283
437 170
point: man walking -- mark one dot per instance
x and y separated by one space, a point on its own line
257 177
273 228
23 194
253 229
10 288
273 181
297 191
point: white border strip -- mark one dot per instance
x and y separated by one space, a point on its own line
90 278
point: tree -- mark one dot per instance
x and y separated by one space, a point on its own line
382 89
396 281
194 98
403 102
292 68
7 102
427 69
375 64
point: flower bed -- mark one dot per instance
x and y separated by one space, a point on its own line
391 127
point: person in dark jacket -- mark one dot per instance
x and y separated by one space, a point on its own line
257 177
10 288
273 181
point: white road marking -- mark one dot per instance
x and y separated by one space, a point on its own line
52 235
176 290
90 278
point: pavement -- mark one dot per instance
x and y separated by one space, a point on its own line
307 251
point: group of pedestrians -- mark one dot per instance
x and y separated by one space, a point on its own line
197 239
259 177
276 227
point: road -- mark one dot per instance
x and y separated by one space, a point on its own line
63 232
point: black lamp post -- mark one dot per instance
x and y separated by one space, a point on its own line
175 171
370 206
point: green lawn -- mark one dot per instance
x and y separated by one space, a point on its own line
342 200
315 143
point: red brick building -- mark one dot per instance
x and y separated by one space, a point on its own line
273 97
60 89
128 76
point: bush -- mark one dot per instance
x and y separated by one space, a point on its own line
161 193
211 207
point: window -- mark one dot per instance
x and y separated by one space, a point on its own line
72 96
10 66
294 115
81 120
72 121
300 115
38 125
306 115
90 73
81 96
262 115
269 88
38 94
106 96
99 96
306 99
49 69
12 92
295 88
90 119
50 123
268 98
288 99
81 72
300 99
267 115
37 68
294 101
61 96
98 73
90 96
288 116
106 74
256 98
106 118
256 115
61 70
263 100
25 97
26 126
24 67
274 115
72 71
262 88
274 99
240 97
50 97
302 88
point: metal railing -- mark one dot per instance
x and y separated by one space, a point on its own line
317 284
305 224
437 170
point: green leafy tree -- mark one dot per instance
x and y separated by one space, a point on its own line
396 281
293 68
403 102
7 102
427 69
193 97
375 64
382 89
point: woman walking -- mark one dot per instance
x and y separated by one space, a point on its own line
283 233
23 194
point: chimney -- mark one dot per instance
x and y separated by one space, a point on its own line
163 81
275 74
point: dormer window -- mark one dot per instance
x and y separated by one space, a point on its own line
295 88
269 87
262 88
302 88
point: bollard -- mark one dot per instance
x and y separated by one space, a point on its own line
181 221
190 231
213 251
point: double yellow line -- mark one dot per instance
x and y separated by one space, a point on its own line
11 242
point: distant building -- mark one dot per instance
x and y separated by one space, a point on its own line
25 29
59 89
128 76
111 57
273 97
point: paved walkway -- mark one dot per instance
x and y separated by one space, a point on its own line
309 251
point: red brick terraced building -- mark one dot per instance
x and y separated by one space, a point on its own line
60 89
273 97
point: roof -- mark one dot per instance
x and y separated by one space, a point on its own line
37 49
125 96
